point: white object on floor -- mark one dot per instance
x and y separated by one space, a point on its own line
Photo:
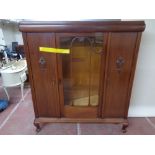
5 92
14 75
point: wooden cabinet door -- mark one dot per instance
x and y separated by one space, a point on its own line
43 68
79 72
119 67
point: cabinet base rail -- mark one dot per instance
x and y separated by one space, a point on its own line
39 122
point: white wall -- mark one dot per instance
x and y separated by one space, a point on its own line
8 32
2 42
11 34
143 93
18 35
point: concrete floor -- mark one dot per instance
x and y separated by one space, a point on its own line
18 118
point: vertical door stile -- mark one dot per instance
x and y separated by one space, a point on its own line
58 78
103 69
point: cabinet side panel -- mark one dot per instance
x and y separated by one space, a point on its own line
121 51
133 70
30 73
44 72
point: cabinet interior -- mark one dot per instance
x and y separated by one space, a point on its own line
81 69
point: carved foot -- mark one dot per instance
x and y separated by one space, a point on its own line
38 127
124 127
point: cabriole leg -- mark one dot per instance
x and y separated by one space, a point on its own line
38 127
124 127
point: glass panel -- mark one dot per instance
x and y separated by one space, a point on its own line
81 69
95 70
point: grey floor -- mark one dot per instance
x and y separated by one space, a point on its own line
18 118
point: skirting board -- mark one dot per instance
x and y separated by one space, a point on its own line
141 111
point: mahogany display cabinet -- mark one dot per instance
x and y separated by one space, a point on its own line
92 82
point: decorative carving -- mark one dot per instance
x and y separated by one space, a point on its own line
42 60
42 63
119 63
90 40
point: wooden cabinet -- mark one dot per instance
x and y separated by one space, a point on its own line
90 84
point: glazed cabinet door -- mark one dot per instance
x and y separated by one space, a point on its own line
119 67
43 68
79 72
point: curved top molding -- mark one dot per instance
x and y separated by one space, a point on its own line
82 26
